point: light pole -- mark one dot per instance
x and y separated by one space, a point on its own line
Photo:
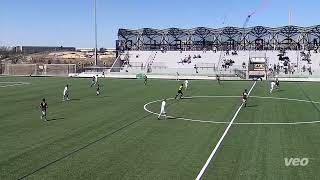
95 34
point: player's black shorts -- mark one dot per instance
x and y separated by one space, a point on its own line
180 92
277 83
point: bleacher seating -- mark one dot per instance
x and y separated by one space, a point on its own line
200 62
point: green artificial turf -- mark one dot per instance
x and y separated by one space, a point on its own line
111 136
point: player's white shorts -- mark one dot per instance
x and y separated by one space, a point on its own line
43 113
272 88
244 100
162 111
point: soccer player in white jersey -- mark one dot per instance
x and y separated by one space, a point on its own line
245 97
186 84
273 84
162 110
98 90
96 80
66 93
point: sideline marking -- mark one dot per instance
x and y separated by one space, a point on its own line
222 137
237 123
10 84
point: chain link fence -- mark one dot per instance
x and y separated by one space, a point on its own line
38 69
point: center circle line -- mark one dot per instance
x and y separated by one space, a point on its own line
236 123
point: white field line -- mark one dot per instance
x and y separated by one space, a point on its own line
10 84
288 99
235 123
221 139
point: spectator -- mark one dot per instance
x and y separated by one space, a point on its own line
214 49
270 67
244 65
234 53
196 68
310 71
204 50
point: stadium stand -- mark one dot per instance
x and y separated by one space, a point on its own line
230 63
288 51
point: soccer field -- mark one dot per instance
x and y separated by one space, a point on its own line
117 135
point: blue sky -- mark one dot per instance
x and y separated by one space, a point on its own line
70 22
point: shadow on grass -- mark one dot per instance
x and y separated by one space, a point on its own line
250 106
55 119
279 90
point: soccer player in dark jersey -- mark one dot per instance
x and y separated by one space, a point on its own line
245 97
93 81
145 79
98 90
44 107
277 83
218 78
180 92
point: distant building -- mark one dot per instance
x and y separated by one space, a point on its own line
38 49
7 48
108 50
68 55
86 50
101 50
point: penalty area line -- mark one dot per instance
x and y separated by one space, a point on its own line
221 139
